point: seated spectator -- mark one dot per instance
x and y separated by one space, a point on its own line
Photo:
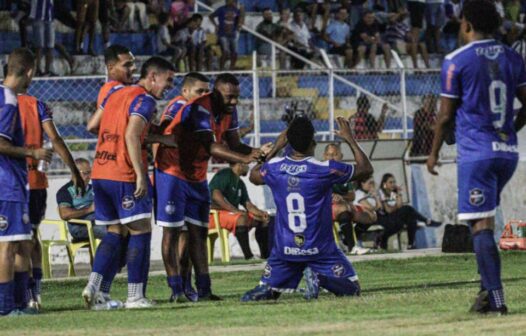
301 39
87 13
285 34
338 36
393 215
365 126
138 19
44 34
343 209
182 41
268 29
398 35
74 206
423 123
228 25
435 20
367 40
416 10
196 53
228 191
165 47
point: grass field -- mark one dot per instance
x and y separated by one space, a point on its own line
419 296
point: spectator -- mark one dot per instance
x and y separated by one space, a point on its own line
228 191
416 10
435 19
365 126
228 25
122 15
165 47
343 209
424 121
301 39
179 12
106 9
198 44
338 36
285 35
87 13
367 40
138 19
357 11
71 205
394 215
268 29
44 34
450 31
182 41
520 45
398 35
21 15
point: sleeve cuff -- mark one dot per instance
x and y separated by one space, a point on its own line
140 115
448 95
6 136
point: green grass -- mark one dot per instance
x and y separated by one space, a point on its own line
420 296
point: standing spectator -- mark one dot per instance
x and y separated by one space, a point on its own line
285 36
435 19
268 29
338 36
452 9
367 40
72 205
301 39
398 34
365 126
87 13
416 10
106 8
424 121
196 53
228 25
44 34
179 12
21 15
138 19
358 7
122 15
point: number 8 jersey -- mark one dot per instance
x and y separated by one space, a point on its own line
302 192
484 77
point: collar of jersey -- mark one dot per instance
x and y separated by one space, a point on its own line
304 159
479 41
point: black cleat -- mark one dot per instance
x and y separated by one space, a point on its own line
482 305
210 297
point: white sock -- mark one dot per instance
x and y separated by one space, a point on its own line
135 291
95 279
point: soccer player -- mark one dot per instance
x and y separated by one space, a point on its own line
194 85
123 195
14 219
479 83
303 238
199 127
120 66
37 120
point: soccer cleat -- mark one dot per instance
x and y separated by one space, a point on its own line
89 295
139 303
108 305
34 304
209 297
482 305
312 284
178 298
261 292
357 250
191 294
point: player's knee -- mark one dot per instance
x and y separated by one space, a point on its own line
140 227
117 229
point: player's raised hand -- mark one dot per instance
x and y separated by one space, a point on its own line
431 163
141 187
266 148
45 154
281 141
344 128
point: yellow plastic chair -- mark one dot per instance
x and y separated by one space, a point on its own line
92 242
217 231
336 233
47 244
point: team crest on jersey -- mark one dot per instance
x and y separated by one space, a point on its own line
3 223
128 202
338 270
267 271
25 218
170 208
299 240
293 181
476 197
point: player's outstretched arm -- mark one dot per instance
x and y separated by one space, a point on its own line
63 151
363 167
448 107
219 200
133 134
7 148
94 121
222 152
520 120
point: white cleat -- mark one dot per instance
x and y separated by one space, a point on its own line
89 296
139 303
34 304
357 250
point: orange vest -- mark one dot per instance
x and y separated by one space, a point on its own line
33 138
105 89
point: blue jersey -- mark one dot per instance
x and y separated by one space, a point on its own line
302 191
484 76
13 171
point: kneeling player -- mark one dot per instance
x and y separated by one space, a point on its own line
302 189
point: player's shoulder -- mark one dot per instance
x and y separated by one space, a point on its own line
179 100
460 54
25 98
7 96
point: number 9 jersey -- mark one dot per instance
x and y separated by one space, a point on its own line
302 192
484 76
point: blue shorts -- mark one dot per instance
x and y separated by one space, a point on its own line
179 201
284 276
115 203
435 14
479 186
44 34
14 221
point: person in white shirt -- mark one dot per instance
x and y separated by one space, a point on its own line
301 39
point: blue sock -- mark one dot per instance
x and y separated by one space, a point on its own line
104 258
7 297
146 262
107 279
36 282
175 282
137 249
339 286
187 281
203 284
488 261
20 292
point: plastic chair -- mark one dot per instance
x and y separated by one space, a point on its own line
92 242
223 239
47 244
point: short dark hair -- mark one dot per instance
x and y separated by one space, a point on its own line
385 177
196 16
163 17
226 78
81 160
266 9
363 102
300 134
111 54
192 77
156 63
20 61
483 16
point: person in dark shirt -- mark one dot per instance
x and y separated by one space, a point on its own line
268 29
423 121
367 40
365 126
